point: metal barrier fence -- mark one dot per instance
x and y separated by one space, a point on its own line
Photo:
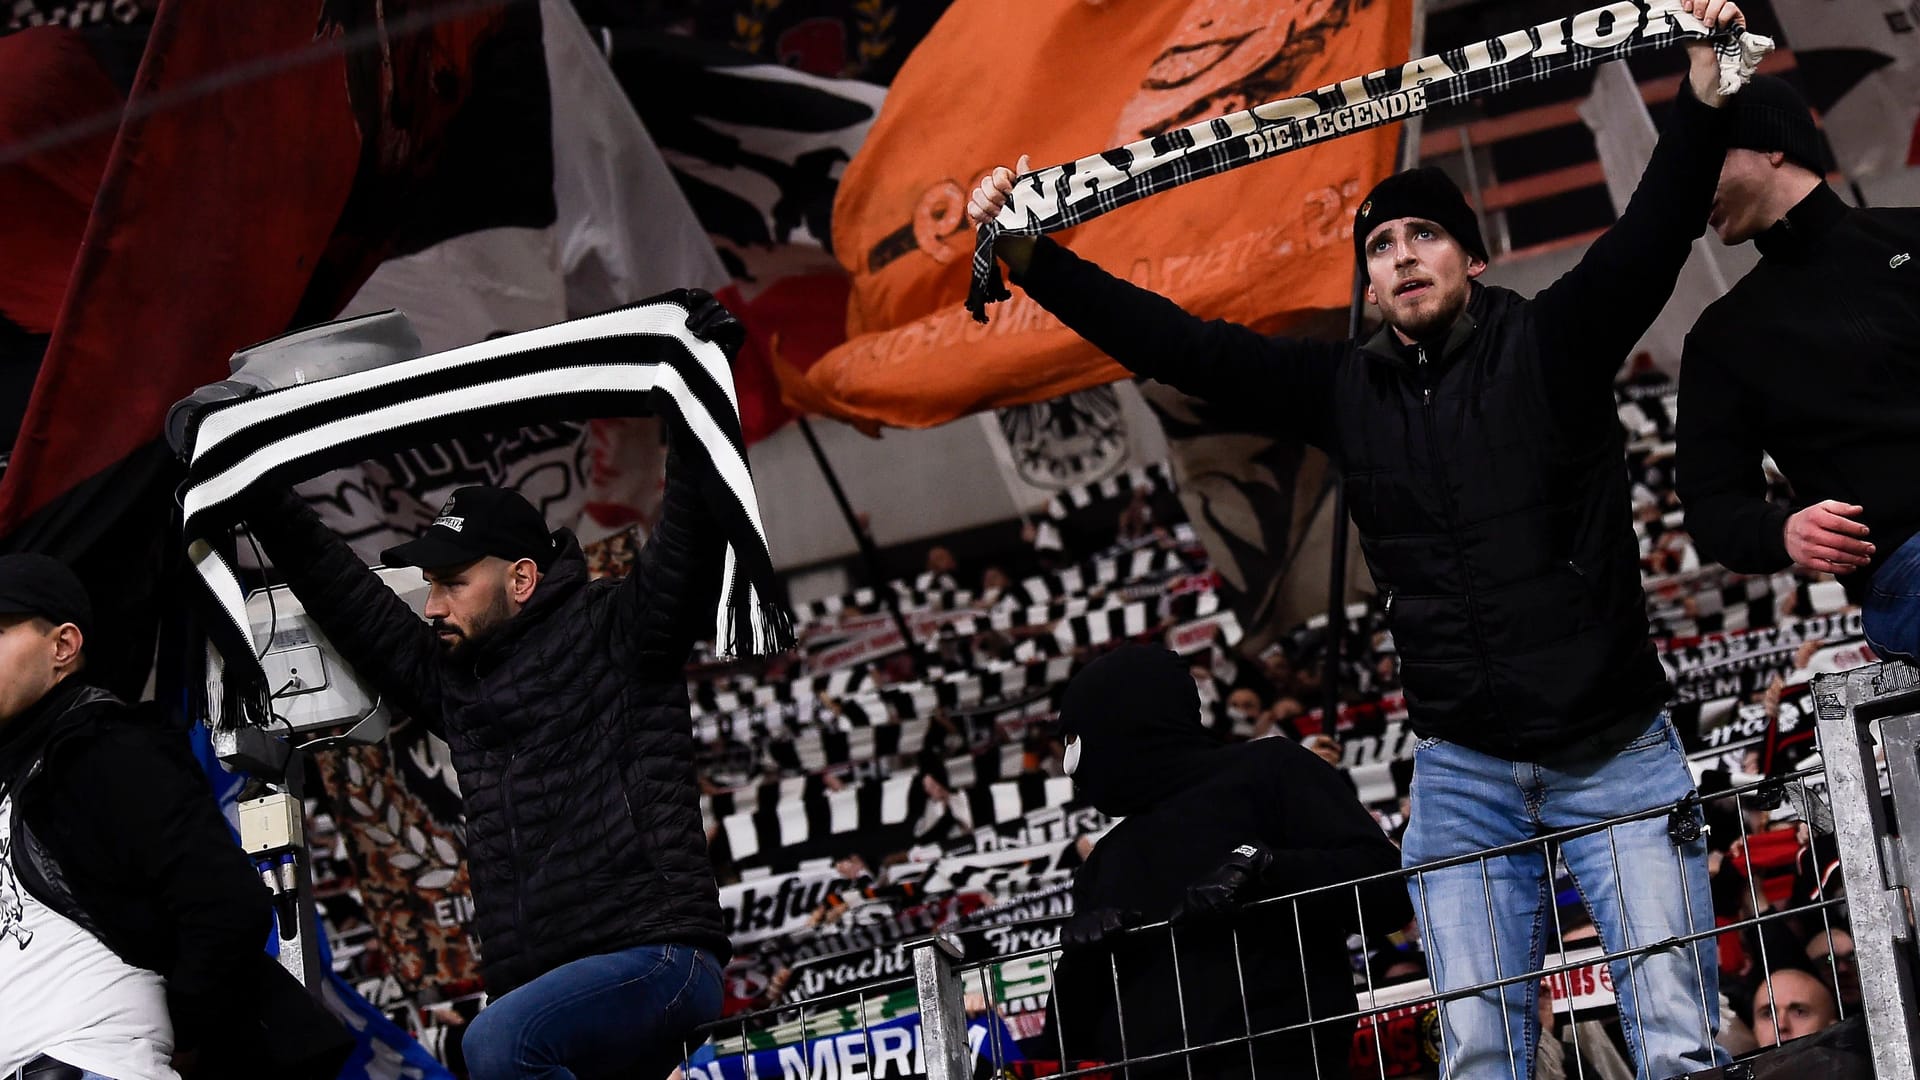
1867 737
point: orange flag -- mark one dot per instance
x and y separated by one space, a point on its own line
1059 79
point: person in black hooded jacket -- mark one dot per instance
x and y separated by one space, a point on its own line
1481 450
564 703
131 923
1209 827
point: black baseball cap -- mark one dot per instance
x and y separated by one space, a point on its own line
478 521
43 586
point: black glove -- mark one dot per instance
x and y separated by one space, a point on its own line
1226 888
1088 928
710 320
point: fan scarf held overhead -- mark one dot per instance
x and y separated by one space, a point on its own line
636 360
1062 196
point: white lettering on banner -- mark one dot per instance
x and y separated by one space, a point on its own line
453 910
766 907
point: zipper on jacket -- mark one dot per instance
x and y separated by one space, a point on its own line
513 838
1453 531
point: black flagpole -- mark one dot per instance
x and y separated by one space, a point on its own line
869 554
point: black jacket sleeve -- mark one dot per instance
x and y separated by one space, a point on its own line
1320 835
375 630
147 797
1286 382
1719 476
668 600
1596 311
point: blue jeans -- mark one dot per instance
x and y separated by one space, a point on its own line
1490 919
620 1014
1891 615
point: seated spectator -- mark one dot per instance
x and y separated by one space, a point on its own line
1244 709
1791 1005
994 584
942 570
1830 954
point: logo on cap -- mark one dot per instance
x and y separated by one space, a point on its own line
448 522
446 507
1366 208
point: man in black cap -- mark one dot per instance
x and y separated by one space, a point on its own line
1482 454
131 924
1813 358
564 703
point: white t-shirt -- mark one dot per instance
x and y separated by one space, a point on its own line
65 994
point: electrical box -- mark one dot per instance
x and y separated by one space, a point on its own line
270 824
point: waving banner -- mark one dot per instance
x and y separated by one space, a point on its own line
1062 196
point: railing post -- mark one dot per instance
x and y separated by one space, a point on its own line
943 1011
1877 899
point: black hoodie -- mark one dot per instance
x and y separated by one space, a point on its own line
1188 801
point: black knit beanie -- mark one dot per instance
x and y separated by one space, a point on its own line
1768 115
1425 192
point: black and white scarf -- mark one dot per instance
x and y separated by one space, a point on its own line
1062 196
635 360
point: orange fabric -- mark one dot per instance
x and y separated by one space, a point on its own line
1266 245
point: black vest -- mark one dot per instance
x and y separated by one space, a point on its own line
1497 523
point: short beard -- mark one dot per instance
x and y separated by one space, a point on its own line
485 628
1438 324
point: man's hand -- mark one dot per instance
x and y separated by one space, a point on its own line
1703 66
709 320
1824 538
1228 887
1088 928
984 206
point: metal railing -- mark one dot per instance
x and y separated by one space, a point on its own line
959 1003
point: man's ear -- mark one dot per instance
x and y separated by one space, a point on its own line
522 576
1371 298
69 646
1776 158
1475 266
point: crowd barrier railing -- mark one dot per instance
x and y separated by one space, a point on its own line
1867 739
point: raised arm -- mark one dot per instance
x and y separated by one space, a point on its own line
668 599
1592 316
375 631
1286 382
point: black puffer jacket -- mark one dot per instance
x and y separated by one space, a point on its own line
569 731
1486 470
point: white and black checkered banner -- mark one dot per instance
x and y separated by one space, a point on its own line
1062 196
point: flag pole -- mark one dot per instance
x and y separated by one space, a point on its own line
869 554
1409 156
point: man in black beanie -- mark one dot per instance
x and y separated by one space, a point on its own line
1813 358
1482 452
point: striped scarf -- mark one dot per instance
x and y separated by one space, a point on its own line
635 360
1062 196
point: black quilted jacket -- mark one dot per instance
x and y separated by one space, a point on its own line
569 730
1485 470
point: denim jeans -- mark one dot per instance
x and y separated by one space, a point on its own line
620 1014
1891 615
1490 919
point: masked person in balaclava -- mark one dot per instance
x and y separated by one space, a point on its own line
1208 829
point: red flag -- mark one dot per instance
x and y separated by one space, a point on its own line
263 161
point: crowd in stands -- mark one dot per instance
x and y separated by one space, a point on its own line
880 788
